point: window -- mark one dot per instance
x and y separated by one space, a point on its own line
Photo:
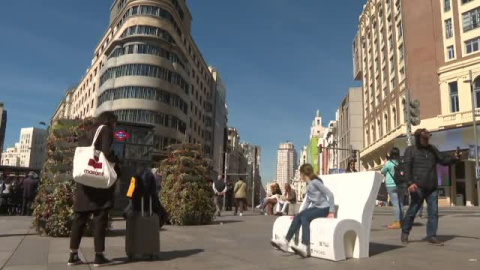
454 104
380 129
144 70
394 113
466 1
390 42
448 29
148 30
392 65
402 73
151 117
451 52
400 30
471 19
400 50
477 93
446 5
393 83
472 45
387 123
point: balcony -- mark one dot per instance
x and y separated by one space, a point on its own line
457 119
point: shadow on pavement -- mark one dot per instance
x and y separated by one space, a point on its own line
164 256
123 232
15 235
218 222
378 248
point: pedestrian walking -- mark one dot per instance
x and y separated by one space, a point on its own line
319 203
219 188
396 193
30 186
240 192
94 201
421 176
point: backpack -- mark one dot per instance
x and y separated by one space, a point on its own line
399 173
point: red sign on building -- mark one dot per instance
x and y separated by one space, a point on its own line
121 135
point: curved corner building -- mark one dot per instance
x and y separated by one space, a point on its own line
150 71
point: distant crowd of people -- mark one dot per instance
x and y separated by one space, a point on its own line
17 194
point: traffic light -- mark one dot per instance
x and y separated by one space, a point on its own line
413 112
354 155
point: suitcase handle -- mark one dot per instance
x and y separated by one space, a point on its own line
150 204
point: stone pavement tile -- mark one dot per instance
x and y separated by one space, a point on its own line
31 251
26 267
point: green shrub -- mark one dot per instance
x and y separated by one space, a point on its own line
187 194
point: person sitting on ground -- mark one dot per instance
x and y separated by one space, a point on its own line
289 198
319 203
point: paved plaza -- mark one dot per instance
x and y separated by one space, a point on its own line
243 243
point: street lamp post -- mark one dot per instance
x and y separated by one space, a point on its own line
474 119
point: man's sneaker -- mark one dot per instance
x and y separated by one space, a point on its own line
100 260
281 245
302 250
74 259
241 214
404 238
434 241
258 206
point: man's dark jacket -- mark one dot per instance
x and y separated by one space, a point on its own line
421 166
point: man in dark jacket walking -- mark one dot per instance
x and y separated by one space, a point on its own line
219 188
30 185
421 174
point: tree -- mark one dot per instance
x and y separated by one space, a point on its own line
53 207
187 193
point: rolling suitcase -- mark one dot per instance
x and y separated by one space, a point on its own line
143 237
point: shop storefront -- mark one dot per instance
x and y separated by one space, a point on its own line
134 145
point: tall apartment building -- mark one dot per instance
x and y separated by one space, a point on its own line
429 47
286 163
252 154
148 69
29 152
236 161
393 50
350 127
458 54
220 131
3 125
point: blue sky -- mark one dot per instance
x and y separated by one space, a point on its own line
281 60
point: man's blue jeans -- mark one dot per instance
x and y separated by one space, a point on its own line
303 219
417 199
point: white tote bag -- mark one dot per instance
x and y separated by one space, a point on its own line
91 167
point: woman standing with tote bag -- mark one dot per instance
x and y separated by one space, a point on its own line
94 201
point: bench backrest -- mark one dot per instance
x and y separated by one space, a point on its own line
355 194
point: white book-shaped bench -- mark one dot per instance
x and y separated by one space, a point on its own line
347 235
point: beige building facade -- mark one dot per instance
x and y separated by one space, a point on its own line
349 125
29 152
148 69
435 46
